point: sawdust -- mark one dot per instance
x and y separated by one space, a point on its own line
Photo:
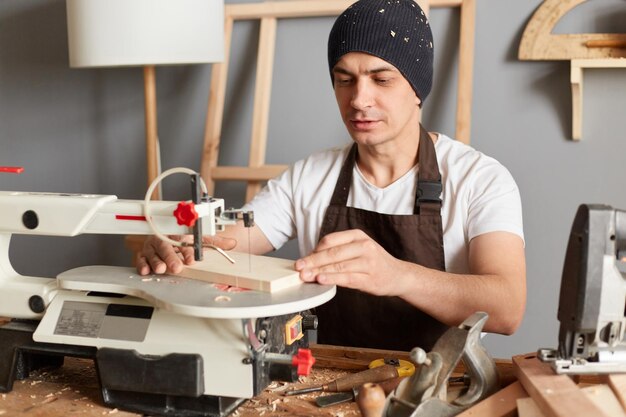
271 402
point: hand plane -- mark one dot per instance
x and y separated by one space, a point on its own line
424 394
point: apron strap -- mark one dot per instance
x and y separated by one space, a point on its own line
427 196
342 188
428 193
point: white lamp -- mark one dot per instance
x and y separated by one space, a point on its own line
109 33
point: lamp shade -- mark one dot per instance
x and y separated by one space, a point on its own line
104 33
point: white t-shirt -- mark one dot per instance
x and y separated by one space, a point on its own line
479 196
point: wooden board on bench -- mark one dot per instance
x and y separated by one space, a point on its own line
260 273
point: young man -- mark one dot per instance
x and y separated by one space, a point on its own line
418 231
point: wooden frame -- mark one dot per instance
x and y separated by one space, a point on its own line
268 13
584 50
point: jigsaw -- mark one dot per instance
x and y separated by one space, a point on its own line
592 298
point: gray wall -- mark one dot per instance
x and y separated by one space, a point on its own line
81 130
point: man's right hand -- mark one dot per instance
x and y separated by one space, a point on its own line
159 257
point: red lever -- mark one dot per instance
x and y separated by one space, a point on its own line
186 214
12 170
304 360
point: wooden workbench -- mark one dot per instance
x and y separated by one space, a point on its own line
73 389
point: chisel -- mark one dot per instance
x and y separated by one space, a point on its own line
348 382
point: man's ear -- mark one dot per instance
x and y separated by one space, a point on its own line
418 101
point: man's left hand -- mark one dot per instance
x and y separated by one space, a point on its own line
354 260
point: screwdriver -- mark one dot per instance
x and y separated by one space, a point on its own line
348 382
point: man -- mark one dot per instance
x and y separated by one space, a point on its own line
418 231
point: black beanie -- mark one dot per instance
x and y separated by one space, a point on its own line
396 31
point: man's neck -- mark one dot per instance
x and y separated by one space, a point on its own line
383 164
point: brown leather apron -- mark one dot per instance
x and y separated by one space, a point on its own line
354 318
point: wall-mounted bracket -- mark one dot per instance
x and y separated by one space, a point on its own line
584 50
576 78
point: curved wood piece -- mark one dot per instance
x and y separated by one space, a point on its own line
538 42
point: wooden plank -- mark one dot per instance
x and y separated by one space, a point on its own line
233 173
501 404
351 358
215 111
602 396
262 94
556 395
152 138
466 66
302 8
527 407
576 80
617 382
261 273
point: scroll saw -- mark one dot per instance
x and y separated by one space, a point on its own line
162 345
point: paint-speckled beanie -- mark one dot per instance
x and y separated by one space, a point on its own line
394 30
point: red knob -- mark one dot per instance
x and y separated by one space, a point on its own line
304 360
186 214
12 170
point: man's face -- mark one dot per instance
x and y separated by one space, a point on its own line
376 102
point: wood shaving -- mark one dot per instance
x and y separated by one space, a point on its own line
146 279
115 410
49 400
33 396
